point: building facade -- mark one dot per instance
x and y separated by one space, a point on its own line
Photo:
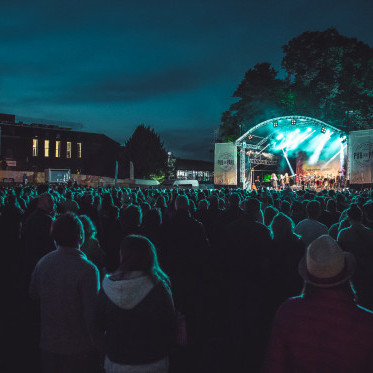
188 169
36 147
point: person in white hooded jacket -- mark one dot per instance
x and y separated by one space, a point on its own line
135 314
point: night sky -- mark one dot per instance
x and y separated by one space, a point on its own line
172 65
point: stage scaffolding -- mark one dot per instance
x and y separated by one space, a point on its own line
250 154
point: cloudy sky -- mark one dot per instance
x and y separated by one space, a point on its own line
172 65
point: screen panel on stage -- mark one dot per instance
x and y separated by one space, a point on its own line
361 157
225 165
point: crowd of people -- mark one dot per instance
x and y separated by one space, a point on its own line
183 280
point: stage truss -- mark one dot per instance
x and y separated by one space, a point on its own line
244 144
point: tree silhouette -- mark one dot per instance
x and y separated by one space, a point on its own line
328 76
145 149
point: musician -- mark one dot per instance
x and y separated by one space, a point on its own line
287 181
338 181
257 183
331 182
302 182
274 181
342 178
282 181
326 182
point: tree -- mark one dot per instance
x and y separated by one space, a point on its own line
258 95
332 75
145 149
328 76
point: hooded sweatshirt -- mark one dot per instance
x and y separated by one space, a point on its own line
137 317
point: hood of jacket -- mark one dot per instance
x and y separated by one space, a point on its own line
127 292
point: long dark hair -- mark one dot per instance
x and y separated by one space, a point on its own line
139 254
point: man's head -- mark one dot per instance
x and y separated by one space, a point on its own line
67 230
368 211
313 209
182 203
252 207
45 202
354 213
325 264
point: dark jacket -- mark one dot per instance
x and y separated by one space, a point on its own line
66 284
36 236
325 331
137 319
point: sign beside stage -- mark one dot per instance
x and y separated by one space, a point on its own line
225 167
361 156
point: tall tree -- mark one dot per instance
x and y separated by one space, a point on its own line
332 75
258 97
146 150
329 77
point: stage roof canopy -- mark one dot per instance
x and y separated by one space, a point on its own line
291 134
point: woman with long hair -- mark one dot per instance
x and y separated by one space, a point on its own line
91 247
135 312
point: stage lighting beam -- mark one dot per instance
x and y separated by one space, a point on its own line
287 160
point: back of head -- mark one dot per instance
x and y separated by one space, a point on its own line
282 226
252 207
203 205
325 264
214 202
354 213
234 200
45 202
313 209
285 207
88 226
67 230
182 203
137 253
269 213
368 211
331 205
153 218
130 216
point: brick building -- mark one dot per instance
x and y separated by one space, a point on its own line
36 147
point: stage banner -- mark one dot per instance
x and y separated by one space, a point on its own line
225 167
360 156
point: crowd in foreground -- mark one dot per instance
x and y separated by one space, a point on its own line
130 280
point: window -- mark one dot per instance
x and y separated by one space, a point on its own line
58 148
68 149
34 147
79 150
46 148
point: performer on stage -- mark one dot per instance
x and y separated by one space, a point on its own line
302 181
342 179
274 181
282 182
287 181
257 183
